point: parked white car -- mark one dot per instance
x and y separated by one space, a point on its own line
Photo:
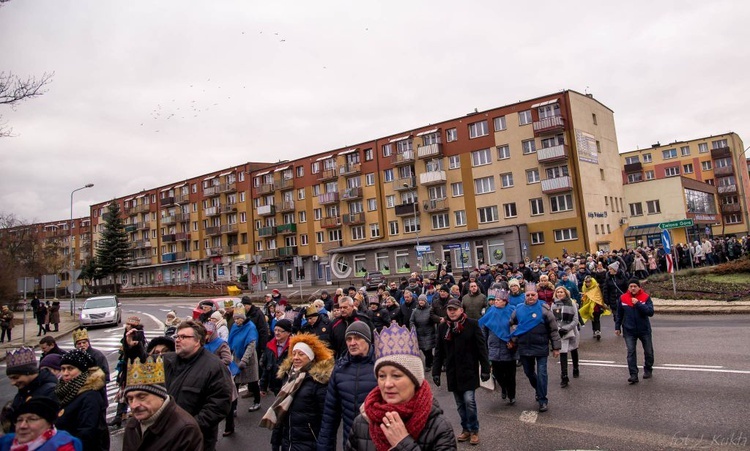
101 310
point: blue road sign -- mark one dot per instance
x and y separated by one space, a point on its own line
666 241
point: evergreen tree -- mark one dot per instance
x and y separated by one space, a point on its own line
113 249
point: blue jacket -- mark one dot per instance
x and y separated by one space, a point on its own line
53 444
352 380
634 320
498 349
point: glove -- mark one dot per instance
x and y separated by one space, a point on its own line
436 380
485 377
242 365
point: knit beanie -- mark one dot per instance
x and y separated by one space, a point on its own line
635 281
41 406
217 316
51 361
156 341
515 282
239 313
284 324
360 329
79 359
397 346
615 266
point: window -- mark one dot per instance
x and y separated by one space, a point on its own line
549 110
499 123
528 146
440 221
317 214
702 148
647 158
563 202
301 194
372 204
507 179
532 176
503 152
411 225
636 209
554 141
510 210
242 194
369 179
484 185
460 217
454 162
375 230
537 206
358 233
302 217
724 163
300 171
593 118
451 135
478 129
672 171
635 178
387 150
710 181
524 117
537 237
733 218
652 207
601 174
315 167
719 144
631 160
480 157
649 175
668 154
319 237
488 214
393 227
390 201
334 235
436 192
368 155
566 234
687 168
388 175
685 151
706 165
557 171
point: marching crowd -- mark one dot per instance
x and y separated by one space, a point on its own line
368 362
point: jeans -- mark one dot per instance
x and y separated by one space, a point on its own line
467 410
648 352
538 378
505 375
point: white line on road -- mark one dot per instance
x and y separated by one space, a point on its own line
675 368
596 361
693 366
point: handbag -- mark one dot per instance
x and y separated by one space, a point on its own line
489 384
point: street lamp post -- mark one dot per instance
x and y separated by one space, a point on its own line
70 268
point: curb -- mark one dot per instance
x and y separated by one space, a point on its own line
65 330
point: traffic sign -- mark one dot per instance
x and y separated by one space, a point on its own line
452 246
466 245
423 248
666 241
75 288
676 224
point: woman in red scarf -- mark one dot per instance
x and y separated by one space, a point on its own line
400 413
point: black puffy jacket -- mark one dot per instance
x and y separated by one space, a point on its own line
614 287
437 435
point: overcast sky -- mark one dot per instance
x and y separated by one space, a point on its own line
146 93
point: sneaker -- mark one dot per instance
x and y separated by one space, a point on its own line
465 435
543 407
647 374
474 440
577 373
511 401
254 407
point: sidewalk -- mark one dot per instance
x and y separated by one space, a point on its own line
66 326
700 307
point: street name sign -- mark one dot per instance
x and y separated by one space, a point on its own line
676 224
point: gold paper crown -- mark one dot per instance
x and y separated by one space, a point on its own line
80 334
148 373
20 357
228 304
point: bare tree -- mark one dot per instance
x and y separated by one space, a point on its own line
14 89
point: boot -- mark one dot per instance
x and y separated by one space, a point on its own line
564 382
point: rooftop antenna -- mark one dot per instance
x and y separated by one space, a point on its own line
586 91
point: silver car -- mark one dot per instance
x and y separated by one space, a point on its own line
101 310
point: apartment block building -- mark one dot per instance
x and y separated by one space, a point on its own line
717 160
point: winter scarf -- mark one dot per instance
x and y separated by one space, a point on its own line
413 412
455 327
34 444
67 391
528 316
241 336
497 320
283 401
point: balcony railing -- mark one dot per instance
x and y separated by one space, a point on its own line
213 230
269 254
404 183
228 187
721 152
555 153
212 211
430 150
167 201
331 173
328 198
180 217
288 251
552 124
286 229
352 193
266 188
353 219
406 209
266 210
142 261
141 244
727 189
286 206
169 238
350 169
212 191
229 228
265 232
228 208
173 257
724 170
231 249
330 222
434 205
144 226
182 199
182 236
130 228
330 246
432 178
730 208
557 185
403 158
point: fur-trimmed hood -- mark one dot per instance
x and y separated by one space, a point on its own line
322 365
95 381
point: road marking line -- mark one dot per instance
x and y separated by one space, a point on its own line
693 366
596 361
678 368
529 416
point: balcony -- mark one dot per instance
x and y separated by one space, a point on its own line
167 201
173 257
353 219
555 154
406 183
286 206
231 249
352 193
130 228
142 261
269 254
288 251
265 232
434 150
350 169
432 178
286 183
330 173
212 211
228 208
266 210
724 170
435 205
557 185
211 191
170 238
330 222
333 245
328 198
182 199
407 209
141 244
721 152
228 187
286 229
266 188
143 226
730 208
216 251
229 228
167 220
214 230
549 125
142 208
182 236
728 189
403 158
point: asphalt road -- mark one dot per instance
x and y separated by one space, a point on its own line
697 398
